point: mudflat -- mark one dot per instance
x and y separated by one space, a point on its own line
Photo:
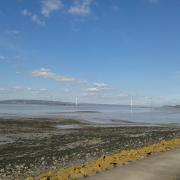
31 146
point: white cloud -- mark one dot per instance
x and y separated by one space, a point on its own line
48 74
18 72
25 12
93 89
49 6
97 87
81 7
77 7
29 89
102 85
35 18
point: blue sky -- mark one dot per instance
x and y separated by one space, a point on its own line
102 51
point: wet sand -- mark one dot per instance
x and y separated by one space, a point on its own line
30 146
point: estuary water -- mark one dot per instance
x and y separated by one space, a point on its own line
94 113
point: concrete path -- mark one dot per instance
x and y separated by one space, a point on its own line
163 166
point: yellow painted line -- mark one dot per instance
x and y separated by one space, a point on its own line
107 162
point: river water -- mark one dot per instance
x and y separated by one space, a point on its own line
94 113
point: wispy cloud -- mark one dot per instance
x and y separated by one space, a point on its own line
92 89
102 85
25 12
49 6
35 18
2 58
25 92
22 88
17 87
97 87
48 74
81 7
27 89
13 32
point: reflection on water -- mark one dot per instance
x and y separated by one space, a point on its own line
95 113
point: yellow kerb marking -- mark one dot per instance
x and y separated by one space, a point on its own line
107 162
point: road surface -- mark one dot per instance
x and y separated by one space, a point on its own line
163 166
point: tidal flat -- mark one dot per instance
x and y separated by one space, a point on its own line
31 146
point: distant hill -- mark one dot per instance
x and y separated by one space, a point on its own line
46 102
38 102
175 106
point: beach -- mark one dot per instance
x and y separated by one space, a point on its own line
32 146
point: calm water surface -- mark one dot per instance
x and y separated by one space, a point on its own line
94 113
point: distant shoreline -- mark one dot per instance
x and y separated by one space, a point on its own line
55 102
